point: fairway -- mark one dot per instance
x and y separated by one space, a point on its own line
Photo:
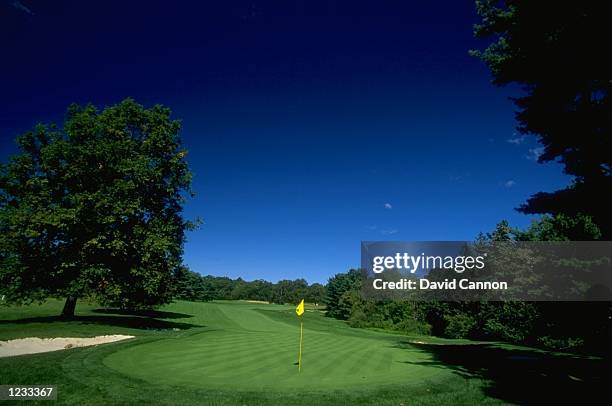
250 346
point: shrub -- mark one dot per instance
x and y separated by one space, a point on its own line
459 325
411 326
561 344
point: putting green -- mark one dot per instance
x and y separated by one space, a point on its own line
248 346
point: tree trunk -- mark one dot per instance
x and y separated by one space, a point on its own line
69 306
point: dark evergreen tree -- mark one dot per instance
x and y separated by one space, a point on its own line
555 51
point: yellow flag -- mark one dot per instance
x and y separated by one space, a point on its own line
299 310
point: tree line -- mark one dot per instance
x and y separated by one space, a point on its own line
567 326
193 286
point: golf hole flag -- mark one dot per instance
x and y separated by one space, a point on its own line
299 310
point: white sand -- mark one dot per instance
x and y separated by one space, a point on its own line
32 345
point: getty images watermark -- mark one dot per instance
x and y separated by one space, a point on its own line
485 270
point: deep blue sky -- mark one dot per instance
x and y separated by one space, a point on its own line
311 125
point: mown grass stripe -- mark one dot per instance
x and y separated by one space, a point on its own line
251 349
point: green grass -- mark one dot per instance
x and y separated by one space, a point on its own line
248 349
243 353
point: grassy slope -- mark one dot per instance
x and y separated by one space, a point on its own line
226 353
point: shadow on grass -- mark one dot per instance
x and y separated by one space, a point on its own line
156 314
135 322
523 376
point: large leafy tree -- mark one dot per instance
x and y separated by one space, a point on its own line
557 53
94 209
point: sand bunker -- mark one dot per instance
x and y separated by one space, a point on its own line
32 345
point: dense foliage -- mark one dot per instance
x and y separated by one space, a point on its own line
569 326
193 286
555 52
342 292
94 209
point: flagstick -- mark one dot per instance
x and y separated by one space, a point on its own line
301 337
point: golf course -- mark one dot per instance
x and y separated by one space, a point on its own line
240 352
252 348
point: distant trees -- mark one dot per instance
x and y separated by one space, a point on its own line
94 209
255 290
345 302
554 325
569 326
554 51
290 291
193 286
316 293
561 227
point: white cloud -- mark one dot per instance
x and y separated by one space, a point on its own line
516 140
458 176
389 232
509 183
19 6
534 153
388 206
